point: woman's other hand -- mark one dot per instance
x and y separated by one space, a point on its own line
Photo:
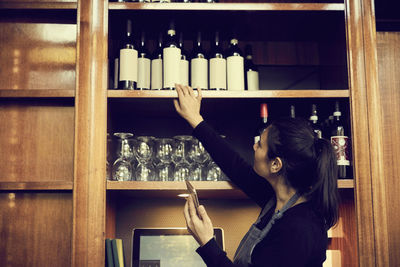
198 223
188 105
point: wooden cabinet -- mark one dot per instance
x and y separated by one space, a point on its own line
57 109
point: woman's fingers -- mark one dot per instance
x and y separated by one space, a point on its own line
199 95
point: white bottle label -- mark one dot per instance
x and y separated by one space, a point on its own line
156 74
171 63
199 73
218 73
128 64
184 72
252 81
235 73
143 73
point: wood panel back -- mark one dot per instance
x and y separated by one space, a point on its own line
37 55
36 140
388 48
35 229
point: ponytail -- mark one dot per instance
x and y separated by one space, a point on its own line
309 165
324 193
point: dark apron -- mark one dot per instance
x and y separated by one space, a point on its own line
255 235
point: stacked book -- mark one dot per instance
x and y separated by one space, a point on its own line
114 253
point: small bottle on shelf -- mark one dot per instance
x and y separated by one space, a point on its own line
292 111
171 59
263 122
251 70
314 121
157 66
128 61
341 144
217 66
143 65
199 66
235 67
184 65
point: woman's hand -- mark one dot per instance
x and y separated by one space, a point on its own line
188 105
199 225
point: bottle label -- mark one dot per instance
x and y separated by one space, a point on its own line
199 73
128 61
143 73
218 73
341 146
235 73
156 74
252 81
171 62
184 72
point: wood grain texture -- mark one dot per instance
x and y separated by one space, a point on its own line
375 136
37 55
38 93
90 135
57 185
35 229
360 128
388 48
230 94
22 4
229 6
38 139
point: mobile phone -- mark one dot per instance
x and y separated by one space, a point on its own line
192 192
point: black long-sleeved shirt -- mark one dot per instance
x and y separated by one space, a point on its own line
299 238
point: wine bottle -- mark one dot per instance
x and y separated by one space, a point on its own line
341 144
263 122
143 65
157 66
171 59
235 67
251 70
292 112
314 121
128 61
217 66
198 66
184 64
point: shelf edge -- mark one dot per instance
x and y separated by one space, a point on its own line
43 5
36 93
50 185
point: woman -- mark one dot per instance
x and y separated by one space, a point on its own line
293 180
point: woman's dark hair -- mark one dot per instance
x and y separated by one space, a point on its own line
308 164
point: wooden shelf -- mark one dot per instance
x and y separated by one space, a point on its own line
205 190
42 93
236 94
56 185
38 5
228 6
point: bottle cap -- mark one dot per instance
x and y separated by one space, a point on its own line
234 41
264 110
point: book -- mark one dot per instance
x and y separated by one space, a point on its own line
120 249
109 255
115 252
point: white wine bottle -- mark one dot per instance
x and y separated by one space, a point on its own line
217 66
171 59
235 67
143 65
251 70
199 66
128 61
157 66
184 65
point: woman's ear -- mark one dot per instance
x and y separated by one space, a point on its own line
276 165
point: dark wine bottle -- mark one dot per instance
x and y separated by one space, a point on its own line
157 66
251 70
171 59
314 121
199 65
263 122
341 144
217 65
143 65
128 61
235 67
184 64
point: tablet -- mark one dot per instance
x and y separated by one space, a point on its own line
167 247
